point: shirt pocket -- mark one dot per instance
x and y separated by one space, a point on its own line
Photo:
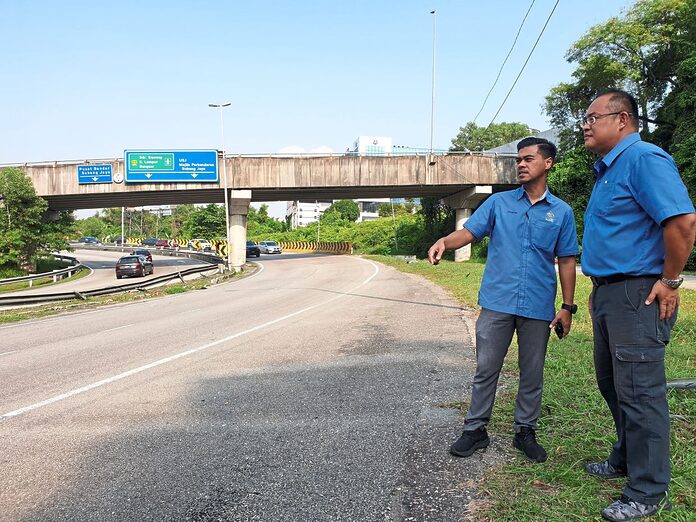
602 197
544 235
640 372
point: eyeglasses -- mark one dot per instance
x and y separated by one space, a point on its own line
592 118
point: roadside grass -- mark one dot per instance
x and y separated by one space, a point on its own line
13 315
41 282
575 425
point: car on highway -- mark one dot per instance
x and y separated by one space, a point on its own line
118 240
162 243
150 241
269 247
89 240
252 249
133 266
200 244
142 252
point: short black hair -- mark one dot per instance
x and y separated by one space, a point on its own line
546 148
621 101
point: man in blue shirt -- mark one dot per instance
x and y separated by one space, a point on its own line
639 231
528 228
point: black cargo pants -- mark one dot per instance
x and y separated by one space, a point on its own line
629 356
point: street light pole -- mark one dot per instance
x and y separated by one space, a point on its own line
432 102
224 181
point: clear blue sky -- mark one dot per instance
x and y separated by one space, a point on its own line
86 79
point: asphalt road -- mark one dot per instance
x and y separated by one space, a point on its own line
312 390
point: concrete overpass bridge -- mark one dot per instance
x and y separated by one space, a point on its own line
461 180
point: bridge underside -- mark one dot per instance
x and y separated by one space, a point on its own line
204 196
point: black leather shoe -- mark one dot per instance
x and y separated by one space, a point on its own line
604 469
525 441
470 441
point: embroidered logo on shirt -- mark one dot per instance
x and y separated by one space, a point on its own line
550 217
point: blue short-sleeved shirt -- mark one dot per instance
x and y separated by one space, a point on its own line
637 188
525 239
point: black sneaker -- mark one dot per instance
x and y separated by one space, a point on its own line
470 441
525 441
604 469
627 509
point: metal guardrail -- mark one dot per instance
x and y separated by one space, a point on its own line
63 296
55 274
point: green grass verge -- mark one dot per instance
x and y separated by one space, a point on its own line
575 425
41 282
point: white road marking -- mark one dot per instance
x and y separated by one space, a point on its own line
8 353
174 357
118 328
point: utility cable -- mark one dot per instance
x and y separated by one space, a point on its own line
525 63
505 61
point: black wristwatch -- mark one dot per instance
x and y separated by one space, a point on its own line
571 308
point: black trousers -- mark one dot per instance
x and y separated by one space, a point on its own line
629 356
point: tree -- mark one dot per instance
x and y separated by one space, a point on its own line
475 138
27 228
346 208
207 222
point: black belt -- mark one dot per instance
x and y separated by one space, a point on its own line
618 278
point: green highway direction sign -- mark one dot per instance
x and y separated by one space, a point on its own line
171 166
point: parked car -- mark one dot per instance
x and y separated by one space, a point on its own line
269 247
150 241
89 240
142 252
133 266
252 249
164 243
200 244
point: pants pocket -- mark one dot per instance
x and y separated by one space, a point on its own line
640 372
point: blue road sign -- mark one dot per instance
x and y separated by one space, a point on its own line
171 166
94 174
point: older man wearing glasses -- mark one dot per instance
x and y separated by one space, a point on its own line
639 231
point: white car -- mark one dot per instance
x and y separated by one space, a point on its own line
269 247
200 244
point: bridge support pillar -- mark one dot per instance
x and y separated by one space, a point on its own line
465 202
238 210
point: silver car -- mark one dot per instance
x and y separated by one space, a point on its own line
269 247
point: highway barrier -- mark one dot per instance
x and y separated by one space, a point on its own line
320 247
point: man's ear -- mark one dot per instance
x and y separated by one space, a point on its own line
548 162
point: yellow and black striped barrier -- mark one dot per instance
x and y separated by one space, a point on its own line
320 247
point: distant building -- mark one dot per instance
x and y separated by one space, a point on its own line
372 146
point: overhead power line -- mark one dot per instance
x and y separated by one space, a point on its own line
525 63
504 61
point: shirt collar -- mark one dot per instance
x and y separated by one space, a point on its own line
604 163
545 196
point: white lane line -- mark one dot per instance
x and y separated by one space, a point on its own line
8 353
118 328
174 357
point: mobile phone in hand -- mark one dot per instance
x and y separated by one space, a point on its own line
559 330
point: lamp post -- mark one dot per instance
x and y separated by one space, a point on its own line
432 101
224 180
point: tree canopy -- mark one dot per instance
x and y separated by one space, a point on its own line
27 229
474 138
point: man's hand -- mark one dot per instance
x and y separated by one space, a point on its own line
436 251
589 304
667 298
565 318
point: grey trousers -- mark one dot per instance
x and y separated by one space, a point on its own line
494 332
629 355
